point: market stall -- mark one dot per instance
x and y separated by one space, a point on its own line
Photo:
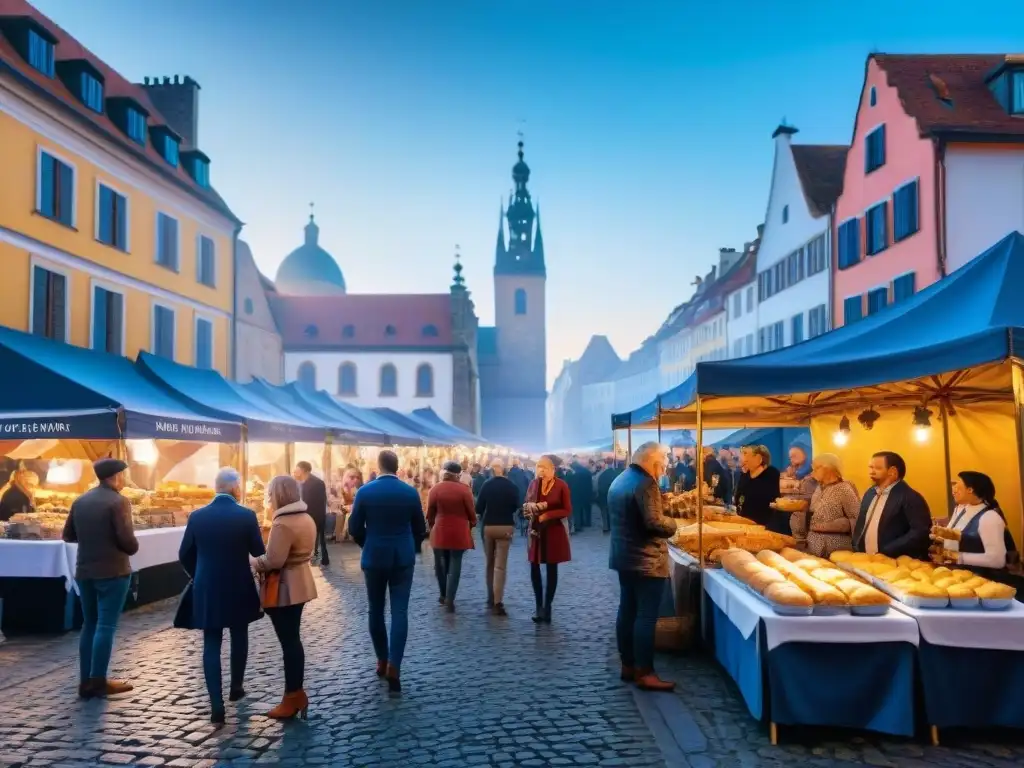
942 394
64 408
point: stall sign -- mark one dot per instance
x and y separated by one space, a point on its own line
143 425
96 426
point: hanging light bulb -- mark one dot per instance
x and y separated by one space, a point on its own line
922 424
60 472
143 452
842 435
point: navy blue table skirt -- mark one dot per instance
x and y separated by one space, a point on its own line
865 686
972 687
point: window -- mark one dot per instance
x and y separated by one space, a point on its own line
778 335
874 149
795 267
876 228
248 306
348 332
168 148
91 92
49 304
311 332
167 241
206 262
853 309
737 348
785 214
40 53
135 125
737 305
872 97
817 321
849 243
1017 84
877 299
797 327
520 301
112 218
201 171
347 379
748 344
430 331
163 332
903 287
904 211
425 381
817 259
390 330
307 375
388 381
56 190
204 344
107 321
750 299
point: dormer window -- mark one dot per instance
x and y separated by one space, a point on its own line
135 125
90 90
430 331
130 116
1017 87
390 330
40 51
167 143
311 331
198 166
1006 83
348 332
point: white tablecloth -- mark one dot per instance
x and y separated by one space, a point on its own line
55 559
991 630
681 557
746 611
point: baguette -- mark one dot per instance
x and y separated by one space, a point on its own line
787 593
763 577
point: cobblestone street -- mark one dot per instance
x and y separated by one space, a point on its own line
478 691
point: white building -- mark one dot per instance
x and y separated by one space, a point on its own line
558 407
571 417
674 339
638 379
741 311
598 407
793 261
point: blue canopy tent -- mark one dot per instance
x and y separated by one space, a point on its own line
53 390
950 340
435 435
339 423
392 434
778 440
205 388
429 416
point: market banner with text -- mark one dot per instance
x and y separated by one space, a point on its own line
94 425
172 428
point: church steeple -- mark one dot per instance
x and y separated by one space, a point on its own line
499 249
538 241
520 257
458 281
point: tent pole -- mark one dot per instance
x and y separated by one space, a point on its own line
1018 407
944 415
700 507
659 419
243 461
629 443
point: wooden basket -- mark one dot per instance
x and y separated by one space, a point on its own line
674 634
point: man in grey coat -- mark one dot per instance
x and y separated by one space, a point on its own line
640 554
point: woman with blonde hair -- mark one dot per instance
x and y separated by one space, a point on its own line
287 585
758 488
828 522
548 508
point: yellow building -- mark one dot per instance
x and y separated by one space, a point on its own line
110 234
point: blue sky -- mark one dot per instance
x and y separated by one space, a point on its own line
647 126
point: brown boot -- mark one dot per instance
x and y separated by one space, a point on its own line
394 683
647 680
382 668
102 687
85 689
627 674
291 705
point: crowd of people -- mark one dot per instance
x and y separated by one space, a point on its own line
223 546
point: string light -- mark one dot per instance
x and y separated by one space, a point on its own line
922 424
842 435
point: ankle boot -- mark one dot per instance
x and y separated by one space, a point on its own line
538 615
85 689
382 668
627 674
292 704
547 613
236 693
647 680
103 687
394 682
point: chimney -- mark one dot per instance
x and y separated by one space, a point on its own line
178 101
727 257
760 231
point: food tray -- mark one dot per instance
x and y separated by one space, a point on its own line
869 610
996 603
964 603
782 610
831 610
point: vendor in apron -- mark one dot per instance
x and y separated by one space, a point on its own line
976 536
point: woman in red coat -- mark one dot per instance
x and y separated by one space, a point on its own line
547 506
451 514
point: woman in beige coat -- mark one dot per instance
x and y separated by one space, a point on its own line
289 549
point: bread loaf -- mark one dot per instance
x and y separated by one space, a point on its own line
992 590
861 594
762 577
819 591
787 593
734 559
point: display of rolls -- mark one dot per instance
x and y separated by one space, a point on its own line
820 592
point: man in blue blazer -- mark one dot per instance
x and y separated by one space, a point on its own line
894 519
387 521
215 552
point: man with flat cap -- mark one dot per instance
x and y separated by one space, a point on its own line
100 522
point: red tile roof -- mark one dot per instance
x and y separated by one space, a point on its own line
821 168
69 49
971 107
319 322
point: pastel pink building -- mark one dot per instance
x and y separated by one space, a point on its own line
934 175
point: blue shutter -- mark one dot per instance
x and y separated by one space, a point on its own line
58 306
204 344
99 319
67 194
903 287
47 194
121 209
798 328
877 300
106 232
40 300
852 309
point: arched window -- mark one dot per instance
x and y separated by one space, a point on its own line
388 381
347 379
425 381
348 331
311 331
430 330
390 330
307 375
520 301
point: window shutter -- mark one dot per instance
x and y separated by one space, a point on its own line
106 216
58 306
115 323
47 194
40 300
100 315
121 221
173 237
67 194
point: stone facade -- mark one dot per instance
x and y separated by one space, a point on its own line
259 351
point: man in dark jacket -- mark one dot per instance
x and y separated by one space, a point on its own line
640 555
713 468
100 523
215 550
478 477
496 507
604 483
314 493
581 491
894 519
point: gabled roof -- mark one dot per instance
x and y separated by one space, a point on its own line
820 168
114 86
364 321
970 108
598 361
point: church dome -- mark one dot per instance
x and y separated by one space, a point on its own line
309 270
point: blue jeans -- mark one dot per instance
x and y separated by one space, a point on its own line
379 583
212 641
639 606
448 570
102 603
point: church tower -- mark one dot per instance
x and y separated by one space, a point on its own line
518 412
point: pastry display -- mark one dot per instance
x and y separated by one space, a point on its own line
924 585
821 593
716 536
